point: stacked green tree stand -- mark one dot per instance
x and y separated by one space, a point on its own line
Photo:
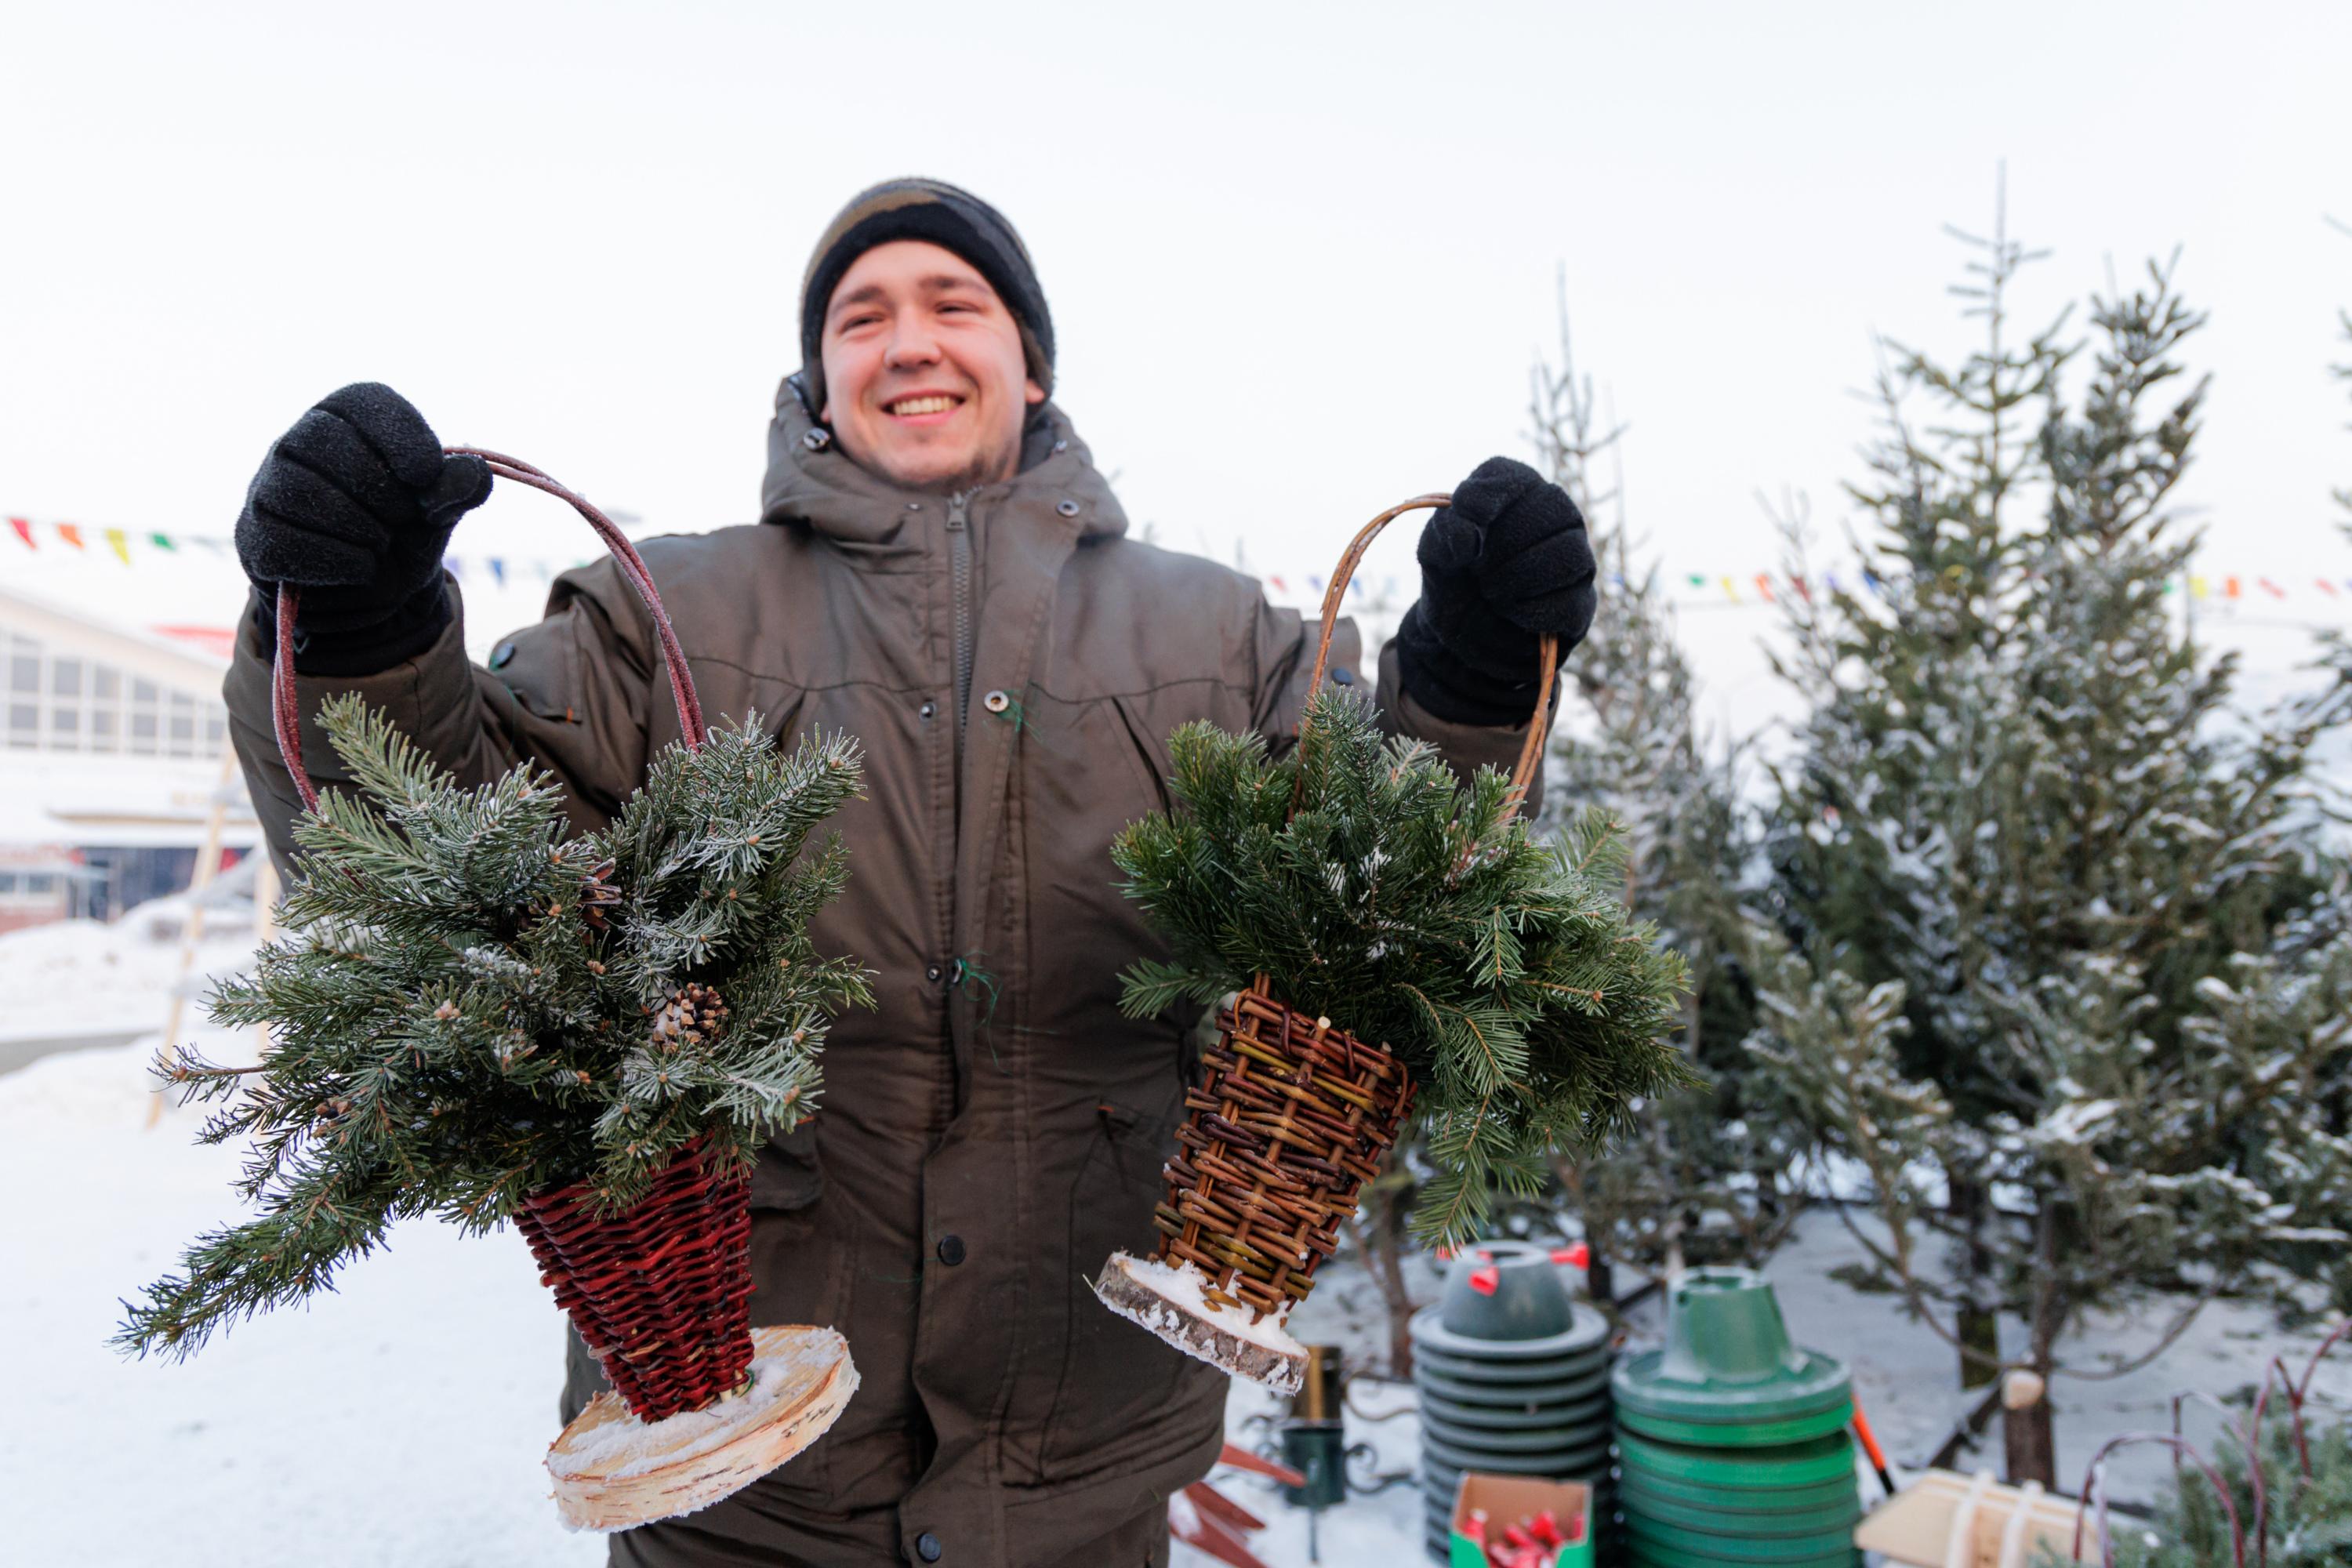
1731 1441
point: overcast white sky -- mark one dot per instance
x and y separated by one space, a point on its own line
1298 256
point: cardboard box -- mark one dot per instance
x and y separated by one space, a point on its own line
1510 1499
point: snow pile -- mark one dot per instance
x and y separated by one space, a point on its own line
80 978
401 1420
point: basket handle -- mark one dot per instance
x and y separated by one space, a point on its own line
1547 649
286 715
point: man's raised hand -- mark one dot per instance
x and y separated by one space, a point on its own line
1507 561
354 506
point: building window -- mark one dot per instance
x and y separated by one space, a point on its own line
24 670
144 691
64 729
183 733
65 677
24 724
105 734
216 733
142 733
38 882
106 683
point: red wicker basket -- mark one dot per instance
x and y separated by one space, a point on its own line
661 1291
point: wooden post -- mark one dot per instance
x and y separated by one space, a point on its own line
209 859
265 921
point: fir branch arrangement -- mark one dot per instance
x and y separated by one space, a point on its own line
1502 969
471 1008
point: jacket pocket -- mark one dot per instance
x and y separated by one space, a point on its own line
788 1178
539 668
1148 750
1116 1380
798 1272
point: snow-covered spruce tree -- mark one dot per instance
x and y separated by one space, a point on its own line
2023 811
1702 1176
470 1008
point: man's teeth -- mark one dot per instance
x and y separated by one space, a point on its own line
913 405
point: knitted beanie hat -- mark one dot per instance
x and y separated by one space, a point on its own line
949 218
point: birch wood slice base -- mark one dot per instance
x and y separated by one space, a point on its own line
1169 1302
613 1471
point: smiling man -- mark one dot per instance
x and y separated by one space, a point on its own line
938 569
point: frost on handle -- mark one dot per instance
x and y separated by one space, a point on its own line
470 1007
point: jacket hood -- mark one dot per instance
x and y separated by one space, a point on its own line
810 480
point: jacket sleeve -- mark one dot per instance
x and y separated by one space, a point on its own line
1285 649
569 695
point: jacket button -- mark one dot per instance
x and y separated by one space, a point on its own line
1068 507
950 1250
996 703
928 1547
927 708
818 439
933 972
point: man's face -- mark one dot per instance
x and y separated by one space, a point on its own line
924 378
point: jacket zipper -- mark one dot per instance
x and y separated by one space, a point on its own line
959 574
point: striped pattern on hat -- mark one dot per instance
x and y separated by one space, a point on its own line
947 217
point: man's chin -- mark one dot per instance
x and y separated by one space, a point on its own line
935 473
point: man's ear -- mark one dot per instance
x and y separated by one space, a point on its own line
1031 393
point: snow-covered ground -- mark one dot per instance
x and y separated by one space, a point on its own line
401 1420
82 978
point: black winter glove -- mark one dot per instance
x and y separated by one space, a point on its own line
354 506
1507 561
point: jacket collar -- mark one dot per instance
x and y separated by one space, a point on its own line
811 481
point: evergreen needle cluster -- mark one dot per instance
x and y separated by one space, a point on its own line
2303 1506
1502 969
470 1007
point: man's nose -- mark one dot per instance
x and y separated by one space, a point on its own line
911 344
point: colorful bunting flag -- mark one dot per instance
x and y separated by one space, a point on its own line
119 542
71 534
24 528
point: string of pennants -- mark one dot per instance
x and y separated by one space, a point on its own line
123 543
1749 590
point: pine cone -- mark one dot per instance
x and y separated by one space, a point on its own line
691 1016
597 895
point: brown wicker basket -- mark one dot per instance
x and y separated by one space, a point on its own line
1291 1118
